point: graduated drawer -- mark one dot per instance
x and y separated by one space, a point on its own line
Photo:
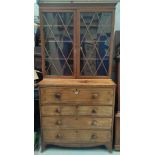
81 122
50 110
76 136
102 111
102 96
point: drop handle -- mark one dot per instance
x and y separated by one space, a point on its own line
58 95
93 136
59 136
94 96
59 122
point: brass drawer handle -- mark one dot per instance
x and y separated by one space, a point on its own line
59 136
94 111
58 95
94 96
58 110
94 122
93 136
76 91
59 122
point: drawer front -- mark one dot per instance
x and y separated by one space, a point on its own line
50 110
104 111
76 136
76 123
57 110
102 96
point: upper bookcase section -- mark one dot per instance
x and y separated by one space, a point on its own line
77 39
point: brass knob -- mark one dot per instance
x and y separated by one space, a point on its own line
94 122
94 96
59 136
94 111
58 95
93 136
58 110
59 122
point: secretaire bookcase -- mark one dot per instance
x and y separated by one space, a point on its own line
76 94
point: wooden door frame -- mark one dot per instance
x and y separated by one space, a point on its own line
52 9
96 9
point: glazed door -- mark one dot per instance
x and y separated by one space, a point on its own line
77 42
58 39
95 41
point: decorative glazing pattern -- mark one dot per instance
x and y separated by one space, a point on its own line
58 36
95 33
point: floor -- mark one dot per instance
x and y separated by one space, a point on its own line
74 151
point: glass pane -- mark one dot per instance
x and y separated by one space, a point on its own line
58 35
95 33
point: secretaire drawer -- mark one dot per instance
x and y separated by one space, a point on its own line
76 136
82 122
102 96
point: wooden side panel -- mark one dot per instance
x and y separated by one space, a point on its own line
117 132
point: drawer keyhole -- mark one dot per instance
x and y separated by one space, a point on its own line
76 91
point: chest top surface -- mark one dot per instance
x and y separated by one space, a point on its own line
77 82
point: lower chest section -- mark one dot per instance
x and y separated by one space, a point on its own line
76 115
